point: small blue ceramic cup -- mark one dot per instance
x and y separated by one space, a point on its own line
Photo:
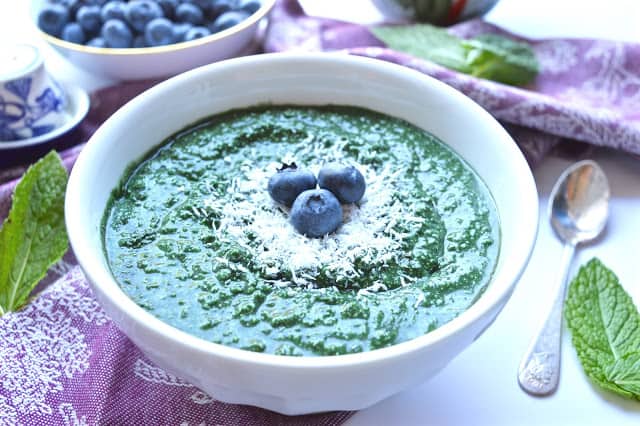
31 102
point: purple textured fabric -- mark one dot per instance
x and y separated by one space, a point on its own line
63 362
587 90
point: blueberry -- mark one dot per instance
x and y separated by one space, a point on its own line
218 7
73 33
140 12
346 182
117 34
53 18
159 32
89 18
196 32
97 42
316 212
168 7
188 12
113 10
249 6
138 41
180 31
228 20
289 182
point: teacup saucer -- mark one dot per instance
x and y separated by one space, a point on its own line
77 108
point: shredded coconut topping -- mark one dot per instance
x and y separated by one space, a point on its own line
251 219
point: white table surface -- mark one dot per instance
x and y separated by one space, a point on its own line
479 387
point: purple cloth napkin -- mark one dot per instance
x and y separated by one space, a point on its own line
62 361
587 90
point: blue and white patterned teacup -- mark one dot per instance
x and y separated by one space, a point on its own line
31 102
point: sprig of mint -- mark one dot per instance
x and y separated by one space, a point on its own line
488 56
501 59
605 328
425 41
33 237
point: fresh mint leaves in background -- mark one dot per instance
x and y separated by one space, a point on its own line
33 237
427 42
488 56
501 59
605 328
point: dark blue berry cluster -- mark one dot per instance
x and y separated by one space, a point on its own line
316 212
140 23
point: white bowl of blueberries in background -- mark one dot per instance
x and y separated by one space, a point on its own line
141 39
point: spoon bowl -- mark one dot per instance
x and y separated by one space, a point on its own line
580 203
578 210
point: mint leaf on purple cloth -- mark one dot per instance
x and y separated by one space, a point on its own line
488 56
502 59
33 237
427 42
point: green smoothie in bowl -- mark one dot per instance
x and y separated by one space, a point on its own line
193 236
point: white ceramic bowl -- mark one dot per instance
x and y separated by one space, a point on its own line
161 61
285 384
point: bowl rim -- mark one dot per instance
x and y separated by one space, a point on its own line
147 324
252 19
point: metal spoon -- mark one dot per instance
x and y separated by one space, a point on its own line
578 209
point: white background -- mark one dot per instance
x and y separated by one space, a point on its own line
479 387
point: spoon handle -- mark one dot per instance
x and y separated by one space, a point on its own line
540 367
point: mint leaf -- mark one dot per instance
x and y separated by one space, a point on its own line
625 373
427 42
33 236
488 56
501 59
605 328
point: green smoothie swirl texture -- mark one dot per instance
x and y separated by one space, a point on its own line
193 236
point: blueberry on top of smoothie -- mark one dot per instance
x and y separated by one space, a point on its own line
289 182
316 212
345 181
